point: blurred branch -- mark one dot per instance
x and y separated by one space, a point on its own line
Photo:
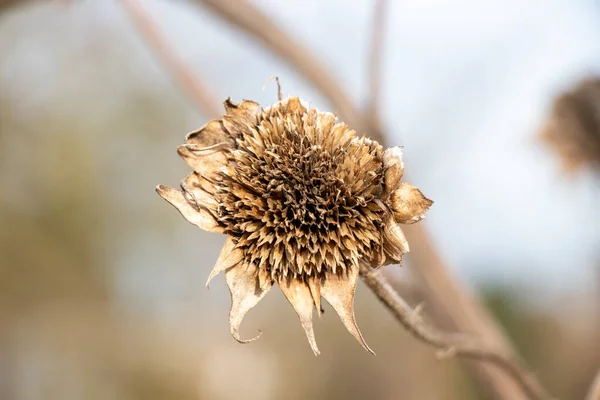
594 393
449 344
186 80
5 4
465 312
374 66
245 16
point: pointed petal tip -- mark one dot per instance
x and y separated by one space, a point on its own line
339 292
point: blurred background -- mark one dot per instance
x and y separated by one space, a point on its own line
102 283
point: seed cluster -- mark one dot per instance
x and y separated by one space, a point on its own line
302 194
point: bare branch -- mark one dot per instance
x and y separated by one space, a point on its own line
449 344
186 80
374 61
594 392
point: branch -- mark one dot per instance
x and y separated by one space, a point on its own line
374 65
448 344
594 393
186 80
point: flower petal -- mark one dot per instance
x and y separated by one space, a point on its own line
207 161
240 118
314 284
200 217
339 292
210 134
299 296
245 294
409 204
229 257
199 191
394 241
394 167
294 104
247 110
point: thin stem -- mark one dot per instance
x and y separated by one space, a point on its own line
448 344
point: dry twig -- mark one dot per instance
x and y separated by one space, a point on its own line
465 312
449 344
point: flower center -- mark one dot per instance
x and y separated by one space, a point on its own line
302 196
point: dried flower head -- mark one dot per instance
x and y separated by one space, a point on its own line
573 127
302 201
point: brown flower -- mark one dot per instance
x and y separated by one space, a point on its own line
302 201
573 126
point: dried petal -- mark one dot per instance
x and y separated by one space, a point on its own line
394 167
394 241
409 204
200 217
229 257
294 105
314 285
242 283
247 110
339 292
210 134
207 161
299 296
199 190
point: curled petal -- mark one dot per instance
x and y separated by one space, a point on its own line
200 217
394 167
409 204
207 161
339 292
210 134
394 241
247 110
299 296
245 294
229 257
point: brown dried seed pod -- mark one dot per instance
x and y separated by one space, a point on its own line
302 199
573 126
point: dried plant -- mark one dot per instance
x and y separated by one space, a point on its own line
573 126
303 201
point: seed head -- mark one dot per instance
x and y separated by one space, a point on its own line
573 126
302 199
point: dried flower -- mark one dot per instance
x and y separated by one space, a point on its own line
302 201
573 127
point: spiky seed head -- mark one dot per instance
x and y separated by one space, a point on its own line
302 199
